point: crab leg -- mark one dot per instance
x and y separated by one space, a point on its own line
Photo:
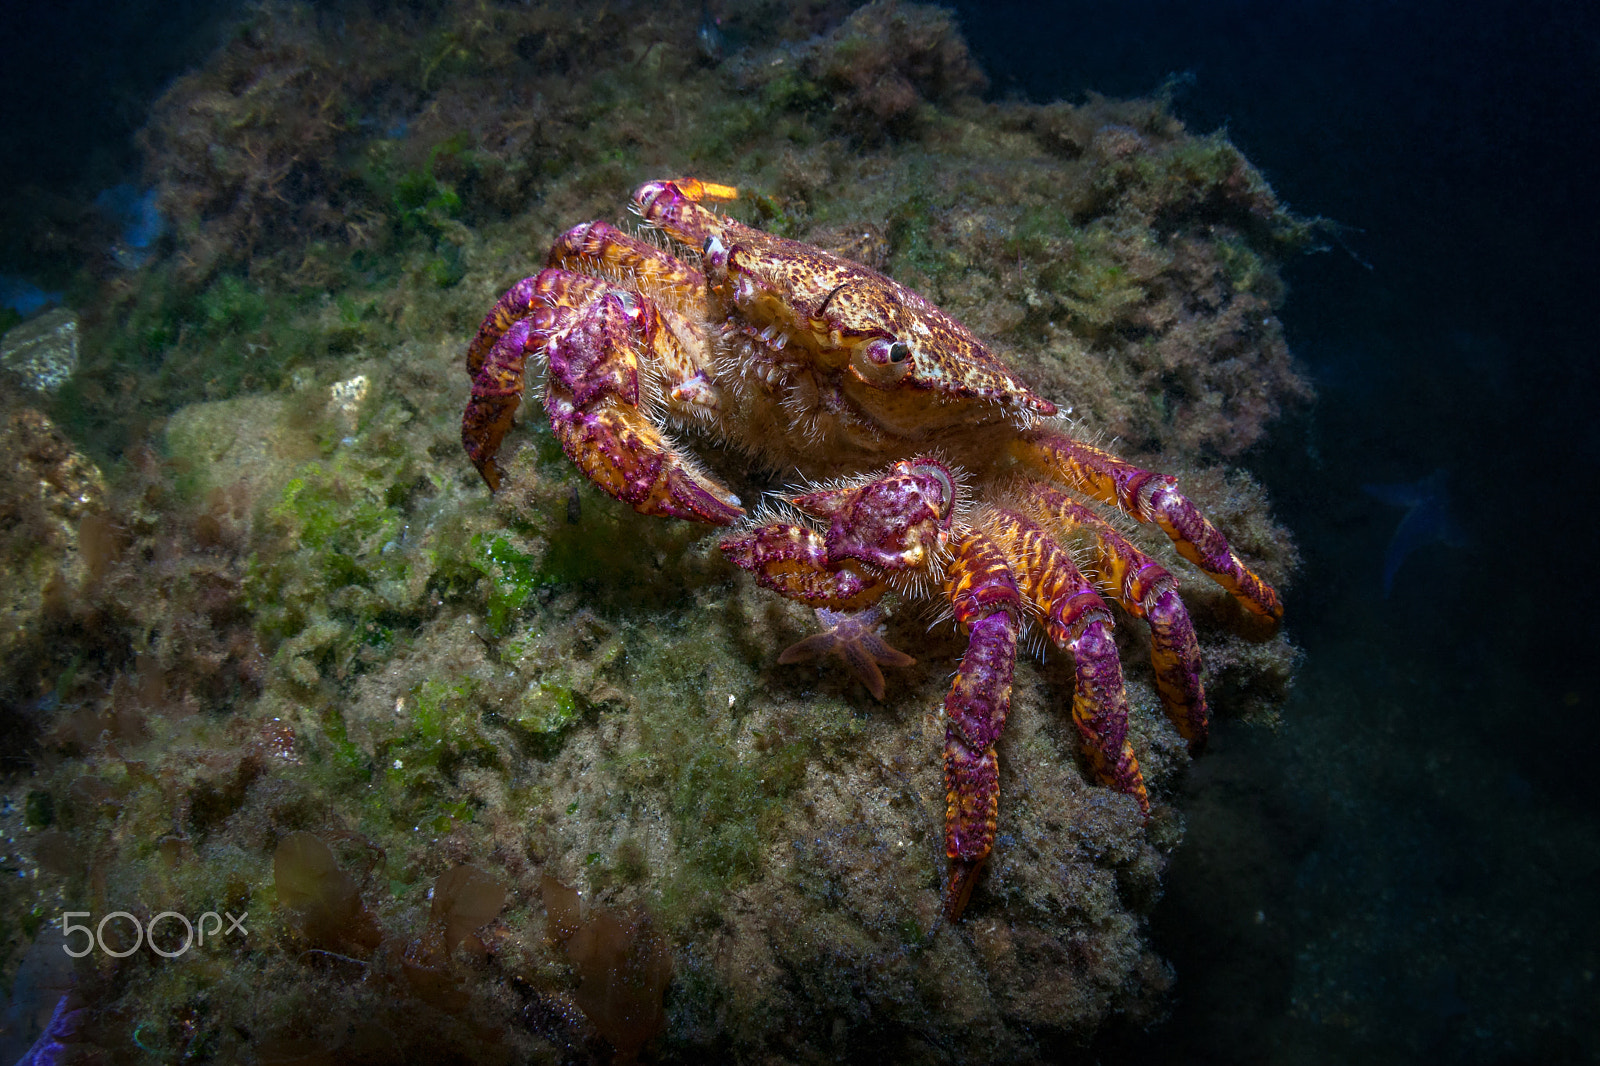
675 207
495 360
592 336
593 245
676 291
1149 497
983 595
1145 589
1078 620
592 394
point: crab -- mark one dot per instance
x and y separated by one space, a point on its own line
952 481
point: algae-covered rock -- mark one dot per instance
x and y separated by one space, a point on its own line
307 620
248 445
53 538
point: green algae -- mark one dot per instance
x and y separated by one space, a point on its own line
543 715
513 576
340 590
1246 270
545 709
914 251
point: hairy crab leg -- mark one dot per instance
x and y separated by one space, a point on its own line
984 598
675 207
1149 497
1078 620
1146 590
592 337
593 394
674 288
517 323
593 246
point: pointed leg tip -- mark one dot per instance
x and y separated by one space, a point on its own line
489 470
958 886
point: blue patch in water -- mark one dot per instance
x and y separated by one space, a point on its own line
141 220
23 296
1427 519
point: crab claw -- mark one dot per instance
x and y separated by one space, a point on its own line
793 562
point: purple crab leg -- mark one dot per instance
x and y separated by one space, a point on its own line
519 321
1149 497
1077 620
984 598
1146 590
593 338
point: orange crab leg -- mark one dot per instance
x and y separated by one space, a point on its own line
698 190
1145 589
983 595
1149 497
675 207
1078 620
597 244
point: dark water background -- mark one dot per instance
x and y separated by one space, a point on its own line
1408 869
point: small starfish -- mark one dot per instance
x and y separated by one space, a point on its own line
856 639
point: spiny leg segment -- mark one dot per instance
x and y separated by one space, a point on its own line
1146 590
495 362
1078 621
983 595
1148 497
675 207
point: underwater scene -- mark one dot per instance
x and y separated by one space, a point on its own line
567 532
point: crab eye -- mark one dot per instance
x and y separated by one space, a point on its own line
881 361
714 252
885 352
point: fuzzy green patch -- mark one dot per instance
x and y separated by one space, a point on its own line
512 577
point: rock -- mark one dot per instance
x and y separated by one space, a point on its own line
43 352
